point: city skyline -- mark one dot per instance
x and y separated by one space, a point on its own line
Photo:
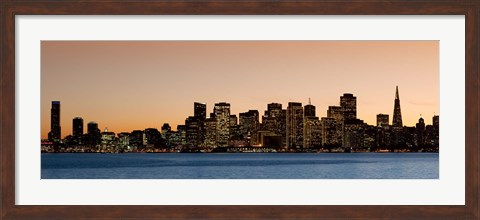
296 129
122 97
75 127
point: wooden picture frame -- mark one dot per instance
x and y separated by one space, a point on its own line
10 8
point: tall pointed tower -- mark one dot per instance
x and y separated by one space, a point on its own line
397 113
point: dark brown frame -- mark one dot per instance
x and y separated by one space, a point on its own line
10 8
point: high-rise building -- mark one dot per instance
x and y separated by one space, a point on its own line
182 133
382 120
222 116
107 140
312 132
234 128
153 137
354 134
436 129
436 121
55 134
92 127
420 132
312 129
274 120
397 113
294 124
200 110
233 120
348 102
93 134
249 126
124 141
193 132
77 128
166 133
211 132
195 126
309 110
329 132
335 112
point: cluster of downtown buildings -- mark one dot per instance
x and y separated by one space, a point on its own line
294 129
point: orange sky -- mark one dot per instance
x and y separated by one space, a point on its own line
127 85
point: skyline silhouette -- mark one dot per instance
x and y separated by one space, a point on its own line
130 85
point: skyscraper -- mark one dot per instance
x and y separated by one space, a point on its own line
274 120
55 129
312 132
336 133
348 102
77 129
222 116
354 133
329 132
193 132
382 120
397 114
436 129
249 126
294 125
210 132
309 110
195 126
420 132
166 133
233 120
93 134
200 110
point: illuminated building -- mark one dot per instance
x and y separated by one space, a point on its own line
274 120
329 132
382 120
312 132
210 132
294 125
309 110
166 133
222 116
354 133
193 129
200 110
335 112
249 126
124 141
107 139
348 102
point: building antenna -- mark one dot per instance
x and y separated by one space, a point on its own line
309 102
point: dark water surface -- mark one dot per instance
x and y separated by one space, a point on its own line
240 166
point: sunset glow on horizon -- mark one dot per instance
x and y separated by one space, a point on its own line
133 85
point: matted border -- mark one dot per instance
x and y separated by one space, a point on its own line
364 7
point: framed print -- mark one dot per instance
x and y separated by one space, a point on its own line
251 110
